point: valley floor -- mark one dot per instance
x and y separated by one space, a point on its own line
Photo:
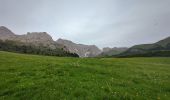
35 77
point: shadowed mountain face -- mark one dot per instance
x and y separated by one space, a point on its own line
80 49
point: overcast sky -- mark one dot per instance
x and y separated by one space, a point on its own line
113 23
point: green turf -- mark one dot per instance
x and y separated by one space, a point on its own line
31 77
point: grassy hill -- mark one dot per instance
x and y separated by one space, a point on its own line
35 77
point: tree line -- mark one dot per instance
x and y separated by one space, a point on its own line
19 47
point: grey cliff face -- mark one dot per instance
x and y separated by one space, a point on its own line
37 38
80 49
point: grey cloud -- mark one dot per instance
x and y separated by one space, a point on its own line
101 22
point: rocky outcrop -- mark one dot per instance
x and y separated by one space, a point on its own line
80 49
36 38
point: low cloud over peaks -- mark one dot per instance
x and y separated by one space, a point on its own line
100 22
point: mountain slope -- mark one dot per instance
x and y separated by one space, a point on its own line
156 49
80 49
164 42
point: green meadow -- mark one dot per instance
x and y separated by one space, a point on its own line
32 77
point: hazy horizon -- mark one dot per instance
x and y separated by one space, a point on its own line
104 23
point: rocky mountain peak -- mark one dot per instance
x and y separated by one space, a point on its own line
5 33
36 38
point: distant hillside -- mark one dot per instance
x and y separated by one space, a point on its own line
160 48
108 52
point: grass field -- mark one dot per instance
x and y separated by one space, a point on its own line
31 77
